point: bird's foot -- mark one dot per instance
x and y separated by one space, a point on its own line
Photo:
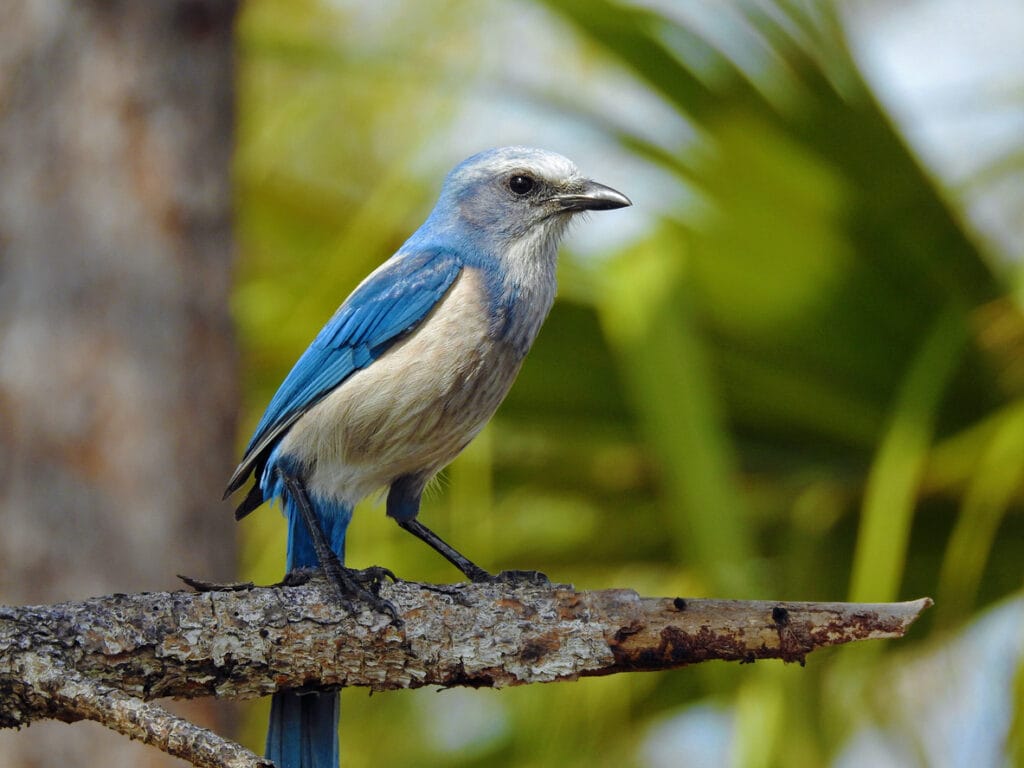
352 586
373 576
363 586
513 578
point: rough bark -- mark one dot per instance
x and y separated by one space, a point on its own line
63 661
117 368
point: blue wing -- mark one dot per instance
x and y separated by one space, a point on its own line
382 310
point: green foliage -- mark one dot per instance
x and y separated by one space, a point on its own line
804 384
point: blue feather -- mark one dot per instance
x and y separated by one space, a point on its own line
382 310
303 730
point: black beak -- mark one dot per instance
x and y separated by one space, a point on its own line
591 196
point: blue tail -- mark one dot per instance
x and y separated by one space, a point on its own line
303 731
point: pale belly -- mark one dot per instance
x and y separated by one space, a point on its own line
413 409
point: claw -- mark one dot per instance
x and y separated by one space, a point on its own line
350 583
364 585
199 585
373 576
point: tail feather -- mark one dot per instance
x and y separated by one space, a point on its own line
303 731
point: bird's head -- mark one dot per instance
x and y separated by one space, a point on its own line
513 195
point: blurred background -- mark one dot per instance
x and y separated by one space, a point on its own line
793 370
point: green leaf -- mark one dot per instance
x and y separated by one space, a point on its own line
891 492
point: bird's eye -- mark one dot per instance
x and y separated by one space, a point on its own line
521 184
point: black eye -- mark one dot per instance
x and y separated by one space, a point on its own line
521 184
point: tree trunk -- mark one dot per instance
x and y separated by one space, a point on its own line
117 362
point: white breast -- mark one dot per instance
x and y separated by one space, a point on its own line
414 408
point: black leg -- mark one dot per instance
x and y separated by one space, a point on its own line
473 571
349 582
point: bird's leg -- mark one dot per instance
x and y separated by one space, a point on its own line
348 581
324 554
474 572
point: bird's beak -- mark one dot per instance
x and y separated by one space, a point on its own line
591 196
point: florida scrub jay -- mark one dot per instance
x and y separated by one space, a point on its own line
404 375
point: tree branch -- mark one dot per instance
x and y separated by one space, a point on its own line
100 659
74 698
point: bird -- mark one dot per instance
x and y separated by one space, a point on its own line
403 376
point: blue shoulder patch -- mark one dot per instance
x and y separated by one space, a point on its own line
382 310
